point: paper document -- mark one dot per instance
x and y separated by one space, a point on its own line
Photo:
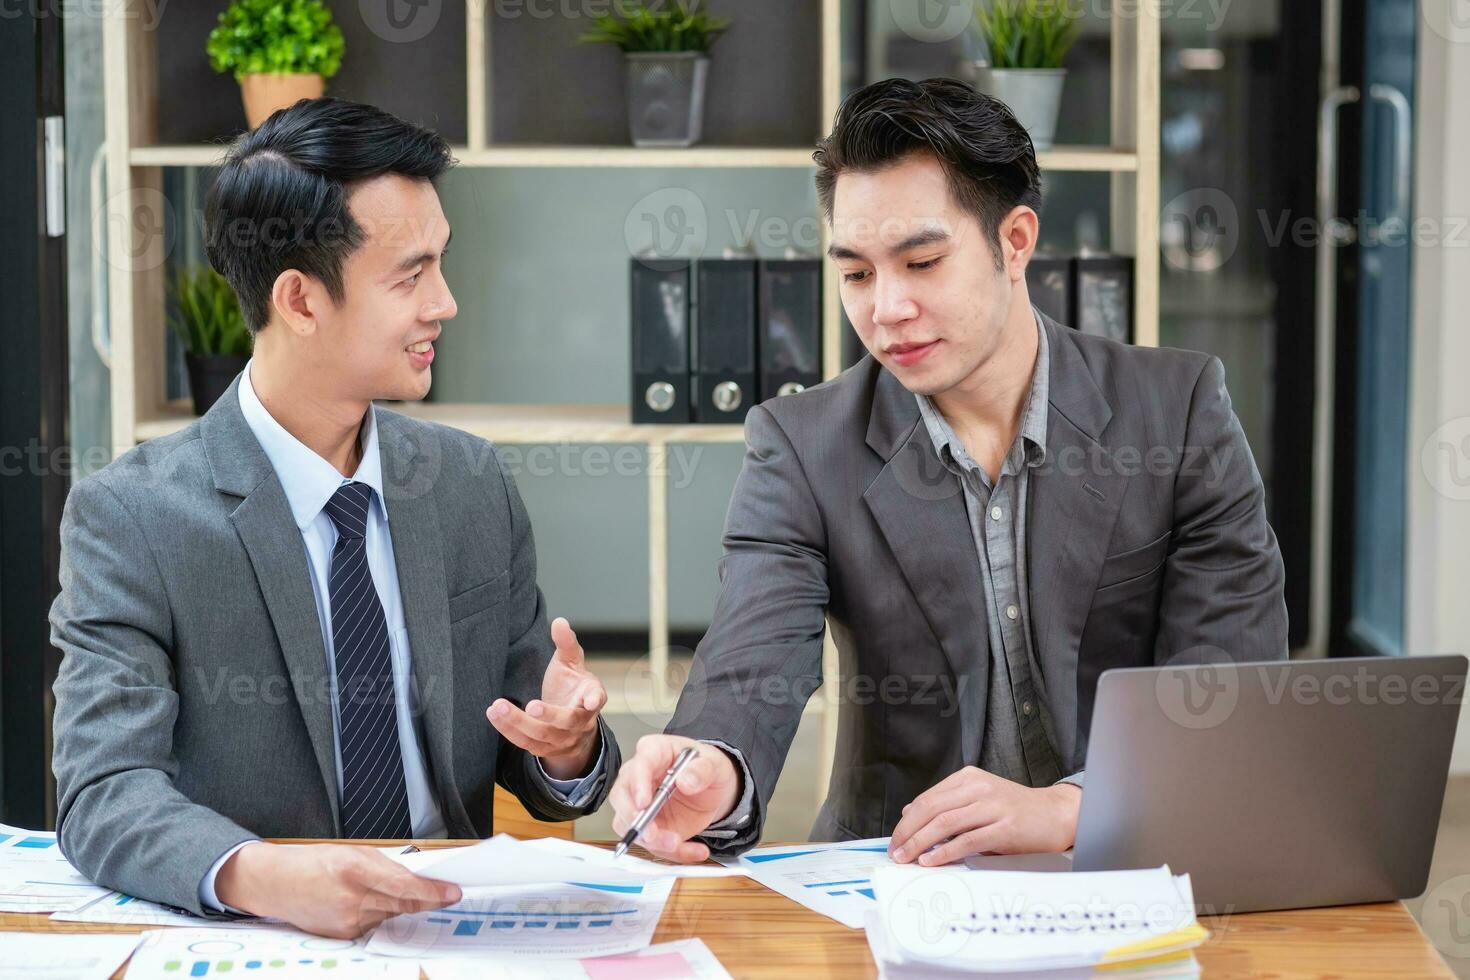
281 954
687 958
532 921
503 860
58 956
35 877
833 879
960 920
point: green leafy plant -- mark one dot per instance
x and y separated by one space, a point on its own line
657 25
205 313
1028 33
276 36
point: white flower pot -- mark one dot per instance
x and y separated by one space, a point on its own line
1033 94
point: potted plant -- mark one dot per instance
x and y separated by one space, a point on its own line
279 50
666 52
1026 41
205 313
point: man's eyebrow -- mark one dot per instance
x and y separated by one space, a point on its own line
422 257
928 236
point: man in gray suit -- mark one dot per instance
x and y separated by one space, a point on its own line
988 511
302 615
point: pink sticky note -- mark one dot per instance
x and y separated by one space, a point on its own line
659 966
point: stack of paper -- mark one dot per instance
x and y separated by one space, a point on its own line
997 922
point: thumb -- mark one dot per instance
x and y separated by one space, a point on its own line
567 647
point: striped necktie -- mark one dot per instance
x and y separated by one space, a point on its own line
374 799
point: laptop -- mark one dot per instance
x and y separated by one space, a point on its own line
1276 785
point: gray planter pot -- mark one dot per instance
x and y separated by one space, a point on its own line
666 97
1033 94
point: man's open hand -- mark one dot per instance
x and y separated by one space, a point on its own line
560 729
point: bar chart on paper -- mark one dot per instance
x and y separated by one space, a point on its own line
174 954
541 921
833 879
36 877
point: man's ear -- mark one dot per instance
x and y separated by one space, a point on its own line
1018 234
294 298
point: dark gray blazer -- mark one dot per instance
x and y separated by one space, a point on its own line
1147 543
192 706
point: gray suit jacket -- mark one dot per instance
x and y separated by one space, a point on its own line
1147 543
192 705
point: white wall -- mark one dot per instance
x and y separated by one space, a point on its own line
1438 573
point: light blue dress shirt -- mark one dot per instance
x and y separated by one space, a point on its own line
309 482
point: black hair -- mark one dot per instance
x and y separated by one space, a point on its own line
279 200
986 153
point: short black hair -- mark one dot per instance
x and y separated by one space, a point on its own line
985 151
279 200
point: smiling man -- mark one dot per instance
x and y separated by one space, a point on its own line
303 615
988 511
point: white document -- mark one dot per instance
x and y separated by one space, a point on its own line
1005 921
34 877
833 879
686 958
62 956
281 954
503 860
532 921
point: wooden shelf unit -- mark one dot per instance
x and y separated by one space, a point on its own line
140 409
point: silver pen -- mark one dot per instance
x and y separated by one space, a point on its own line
660 797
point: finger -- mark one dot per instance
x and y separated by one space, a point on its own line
944 826
518 727
654 755
925 807
573 719
567 647
977 841
380 875
632 788
669 845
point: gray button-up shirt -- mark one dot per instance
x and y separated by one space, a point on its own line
1017 741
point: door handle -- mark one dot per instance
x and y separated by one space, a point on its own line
1335 230
1397 222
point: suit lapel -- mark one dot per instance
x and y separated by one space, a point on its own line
919 506
268 531
1073 502
409 474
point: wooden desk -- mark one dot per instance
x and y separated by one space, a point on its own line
757 933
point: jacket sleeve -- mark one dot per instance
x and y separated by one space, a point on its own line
1223 584
762 657
120 820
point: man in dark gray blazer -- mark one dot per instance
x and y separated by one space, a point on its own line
303 615
987 511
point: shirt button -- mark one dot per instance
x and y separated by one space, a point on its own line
1012 612
1026 708
995 513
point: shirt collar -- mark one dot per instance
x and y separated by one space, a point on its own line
308 479
1033 417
